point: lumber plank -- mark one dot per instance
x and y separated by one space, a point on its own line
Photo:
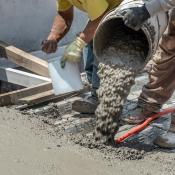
48 96
24 59
12 98
21 78
37 98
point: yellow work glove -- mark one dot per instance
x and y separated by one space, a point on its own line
73 52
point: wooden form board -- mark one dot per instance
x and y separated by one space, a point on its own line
48 96
37 98
13 97
21 78
24 59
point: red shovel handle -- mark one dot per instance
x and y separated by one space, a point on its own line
142 126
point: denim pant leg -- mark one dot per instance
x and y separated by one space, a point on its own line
89 58
91 66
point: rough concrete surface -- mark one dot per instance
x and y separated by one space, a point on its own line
44 141
31 145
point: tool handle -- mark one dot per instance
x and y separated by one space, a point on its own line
142 126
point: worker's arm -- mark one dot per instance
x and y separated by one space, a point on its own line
95 9
136 16
60 27
88 33
73 52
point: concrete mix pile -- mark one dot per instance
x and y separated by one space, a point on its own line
115 86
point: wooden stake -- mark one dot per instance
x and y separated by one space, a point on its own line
24 59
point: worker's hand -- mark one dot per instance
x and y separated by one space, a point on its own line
73 52
50 44
135 17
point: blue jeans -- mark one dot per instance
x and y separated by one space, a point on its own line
91 66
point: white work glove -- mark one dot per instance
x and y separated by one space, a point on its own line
73 52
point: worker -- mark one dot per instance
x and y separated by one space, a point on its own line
73 53
161 68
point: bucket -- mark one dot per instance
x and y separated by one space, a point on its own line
66 79
112 29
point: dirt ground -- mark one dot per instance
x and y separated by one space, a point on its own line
30 146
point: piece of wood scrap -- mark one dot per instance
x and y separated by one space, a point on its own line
24 59
21 78
12 98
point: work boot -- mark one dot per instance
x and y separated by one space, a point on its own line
137 115
86 105
166 141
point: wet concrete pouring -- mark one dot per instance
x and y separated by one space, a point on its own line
76 128
118 65
79 129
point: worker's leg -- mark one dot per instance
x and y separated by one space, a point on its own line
162 80
89 59
161 77
91 67
89 103
161 84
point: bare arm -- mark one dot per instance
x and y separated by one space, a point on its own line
61 24
60 27
89 31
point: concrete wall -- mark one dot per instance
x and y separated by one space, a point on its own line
25 23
